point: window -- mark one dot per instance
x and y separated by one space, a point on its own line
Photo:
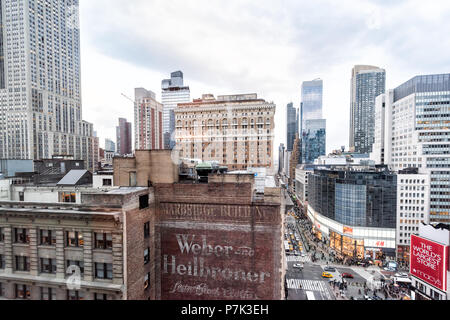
147 281
75 295
74 239
103 271
143 201
2 235
103 240
146 255
21 235
22 291
68 197
107 182
79 264
47 237
48 265
22 263
2 261
146 229
48 294
100 296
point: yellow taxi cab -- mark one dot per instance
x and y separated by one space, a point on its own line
327 275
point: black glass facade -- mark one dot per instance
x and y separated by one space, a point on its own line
292 126
355 198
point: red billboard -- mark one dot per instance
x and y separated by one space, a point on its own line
429 262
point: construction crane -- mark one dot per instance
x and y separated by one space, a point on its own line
127 97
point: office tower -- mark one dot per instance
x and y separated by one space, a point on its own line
313 127
173 92
148 120
292 125
417 135
313 140
234 130
110 145
312 99
367 83
40 91
281 155
123 135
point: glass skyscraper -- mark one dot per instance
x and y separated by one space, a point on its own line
313 140
312 99
173 92
367 83
292 125
313 127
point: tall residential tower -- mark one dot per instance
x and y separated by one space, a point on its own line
367 83
123 135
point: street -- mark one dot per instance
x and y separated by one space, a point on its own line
312 259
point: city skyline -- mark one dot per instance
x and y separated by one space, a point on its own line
374 39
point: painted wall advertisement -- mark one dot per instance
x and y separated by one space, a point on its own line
211 265
429 262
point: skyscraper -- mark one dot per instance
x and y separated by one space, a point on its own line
148 120
110 145
173 92
313 140
312 99
123 134
40 91
292 125
312 126
367 83
414 132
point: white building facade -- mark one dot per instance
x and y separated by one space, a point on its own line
413 208
416 130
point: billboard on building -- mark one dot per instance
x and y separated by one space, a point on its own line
429 262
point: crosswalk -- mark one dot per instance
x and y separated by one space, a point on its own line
298 259
310 285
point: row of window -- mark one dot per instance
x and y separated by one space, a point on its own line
22 291
48 238
48 266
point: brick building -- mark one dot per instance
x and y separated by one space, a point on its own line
150 236
234 130
214 240
97 247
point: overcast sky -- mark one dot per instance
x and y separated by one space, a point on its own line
265 47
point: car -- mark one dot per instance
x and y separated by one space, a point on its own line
303 254
298 266
330 269
347 275
401 275
327 275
